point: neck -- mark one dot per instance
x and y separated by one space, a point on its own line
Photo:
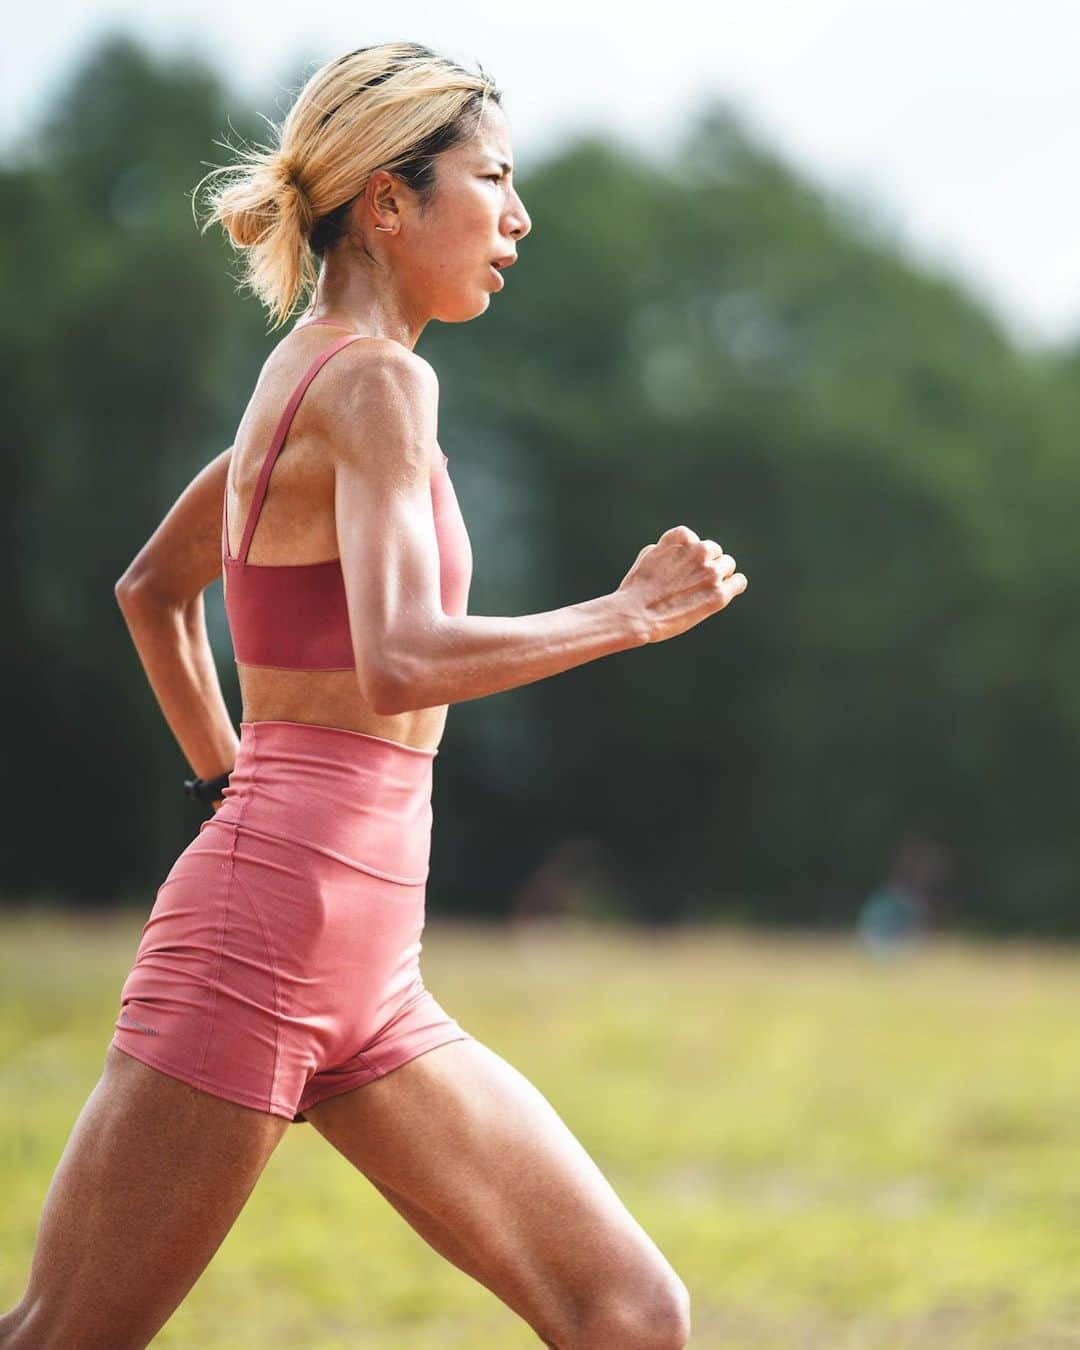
367 300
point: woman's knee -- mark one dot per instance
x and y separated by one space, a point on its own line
654 1318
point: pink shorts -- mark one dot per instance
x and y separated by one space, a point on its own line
280 962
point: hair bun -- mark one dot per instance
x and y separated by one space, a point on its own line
289 181
282 168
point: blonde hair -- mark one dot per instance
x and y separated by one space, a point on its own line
393 106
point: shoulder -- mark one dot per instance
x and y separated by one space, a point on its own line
380 365
385 398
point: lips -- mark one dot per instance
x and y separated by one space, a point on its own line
497 275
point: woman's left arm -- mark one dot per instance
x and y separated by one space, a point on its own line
161 598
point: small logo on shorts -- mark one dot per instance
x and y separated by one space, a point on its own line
127 1020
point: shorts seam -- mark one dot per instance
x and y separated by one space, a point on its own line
394 1020
379 872
212 1012
274 972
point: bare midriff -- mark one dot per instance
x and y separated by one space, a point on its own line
331 698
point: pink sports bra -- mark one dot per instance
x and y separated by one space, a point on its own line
294 616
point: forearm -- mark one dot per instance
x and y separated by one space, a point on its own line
465 657
175 652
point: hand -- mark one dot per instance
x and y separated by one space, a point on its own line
677 582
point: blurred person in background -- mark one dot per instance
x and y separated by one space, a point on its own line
914 900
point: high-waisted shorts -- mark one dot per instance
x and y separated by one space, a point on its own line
280 961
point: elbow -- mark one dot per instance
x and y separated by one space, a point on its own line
388 690
139 592
126 588
136 576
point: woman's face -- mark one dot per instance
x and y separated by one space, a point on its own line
445 253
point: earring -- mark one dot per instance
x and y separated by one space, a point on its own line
384 227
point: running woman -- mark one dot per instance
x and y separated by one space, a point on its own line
277 978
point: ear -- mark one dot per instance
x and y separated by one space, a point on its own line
380 203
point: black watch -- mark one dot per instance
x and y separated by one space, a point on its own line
207 789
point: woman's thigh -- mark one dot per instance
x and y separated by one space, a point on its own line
477 1159
151 1179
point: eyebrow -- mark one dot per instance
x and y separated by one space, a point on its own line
506 168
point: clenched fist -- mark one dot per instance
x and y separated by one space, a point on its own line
678 581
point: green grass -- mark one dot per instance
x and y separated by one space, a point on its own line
833 1151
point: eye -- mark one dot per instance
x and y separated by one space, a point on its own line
497 177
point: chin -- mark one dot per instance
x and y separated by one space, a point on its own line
464 312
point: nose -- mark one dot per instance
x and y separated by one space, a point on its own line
522 224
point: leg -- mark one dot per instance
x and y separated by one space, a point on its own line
151 1179
484 1168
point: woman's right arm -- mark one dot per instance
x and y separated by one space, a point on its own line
411 655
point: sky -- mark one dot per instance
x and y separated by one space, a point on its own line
954 122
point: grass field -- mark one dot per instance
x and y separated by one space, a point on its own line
832 1150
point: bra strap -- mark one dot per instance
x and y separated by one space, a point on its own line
225 523
279 438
